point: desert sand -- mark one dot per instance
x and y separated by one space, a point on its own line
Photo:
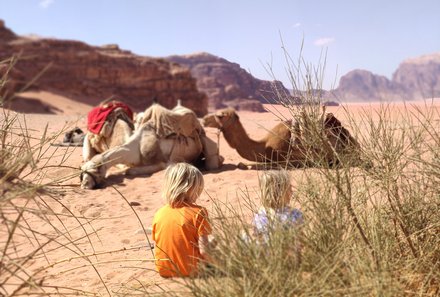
118 215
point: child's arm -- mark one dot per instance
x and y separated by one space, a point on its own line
203 244
204 247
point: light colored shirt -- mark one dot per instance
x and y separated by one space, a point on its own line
265 219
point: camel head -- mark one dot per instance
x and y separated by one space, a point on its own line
220 119
92 173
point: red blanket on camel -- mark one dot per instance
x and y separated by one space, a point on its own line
97 116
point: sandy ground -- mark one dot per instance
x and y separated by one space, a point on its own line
120 211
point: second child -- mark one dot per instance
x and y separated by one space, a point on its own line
275 212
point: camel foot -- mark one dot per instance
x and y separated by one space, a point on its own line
242 166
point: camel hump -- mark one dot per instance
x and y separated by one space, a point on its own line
179 121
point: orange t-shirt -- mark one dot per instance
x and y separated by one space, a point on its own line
176 232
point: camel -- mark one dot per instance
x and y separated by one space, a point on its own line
163 137
288 142
116 130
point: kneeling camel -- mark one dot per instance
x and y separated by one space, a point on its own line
164 137
296 143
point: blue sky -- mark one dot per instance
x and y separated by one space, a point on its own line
375 35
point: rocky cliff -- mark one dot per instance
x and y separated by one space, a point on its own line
91 74
226 83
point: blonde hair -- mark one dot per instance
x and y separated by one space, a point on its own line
275 188
183 184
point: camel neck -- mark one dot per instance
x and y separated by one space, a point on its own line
238 139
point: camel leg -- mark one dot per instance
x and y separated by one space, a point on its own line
124 154
88 151
148 169
213 160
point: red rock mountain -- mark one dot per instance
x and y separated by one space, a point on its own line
226 83
91 74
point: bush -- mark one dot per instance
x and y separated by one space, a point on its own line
368 230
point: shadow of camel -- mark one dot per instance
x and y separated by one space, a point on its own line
117 178
113 180
224 167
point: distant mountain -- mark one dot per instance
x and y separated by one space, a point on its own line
362 85
420 76
414 79
227 84
92 74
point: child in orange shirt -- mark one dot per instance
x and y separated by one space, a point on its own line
180 228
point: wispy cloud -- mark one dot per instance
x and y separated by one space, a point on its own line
324 41
46 3
297 25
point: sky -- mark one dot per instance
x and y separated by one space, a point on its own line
329 37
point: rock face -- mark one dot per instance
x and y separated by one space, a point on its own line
226 83
416 78
92 74
5 33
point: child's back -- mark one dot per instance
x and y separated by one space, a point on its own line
287 217
180 225
176 232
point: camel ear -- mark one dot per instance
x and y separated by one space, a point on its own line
230 113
